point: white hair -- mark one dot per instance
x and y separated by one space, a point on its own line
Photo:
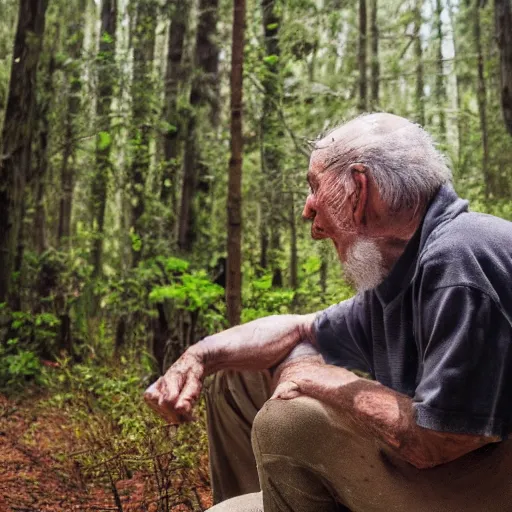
400 156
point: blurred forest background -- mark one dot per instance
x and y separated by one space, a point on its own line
149 196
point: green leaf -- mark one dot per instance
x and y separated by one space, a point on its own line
271 60
272 26
104 140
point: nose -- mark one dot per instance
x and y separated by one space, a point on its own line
309 211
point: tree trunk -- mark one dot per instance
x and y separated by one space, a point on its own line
460 124
106 60
363 84
503 24
202 93
418 51
482 101
72 74
234 249
271 134
375 69
294 256
440 91
173 80
41 154
15 145
142 94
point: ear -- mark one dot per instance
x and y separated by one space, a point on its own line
360 196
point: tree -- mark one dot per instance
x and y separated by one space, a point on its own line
503 25
173 79
202 93
440 90
418 52
363 83
18 127
73 87
142 120
234 270
481 95
271 134
375 64
106 61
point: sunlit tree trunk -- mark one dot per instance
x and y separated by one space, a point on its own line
16 141
73 87
419 98
142 98
363 82
173 80
375 64
100 179
271 134
503 25
234 246
205 80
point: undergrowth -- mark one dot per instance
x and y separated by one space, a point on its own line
119 438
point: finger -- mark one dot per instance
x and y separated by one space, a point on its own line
286 391
172 385
189 394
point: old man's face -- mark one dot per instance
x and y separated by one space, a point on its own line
329 206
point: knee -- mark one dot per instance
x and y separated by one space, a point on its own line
282 427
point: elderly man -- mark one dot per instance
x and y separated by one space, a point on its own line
431 324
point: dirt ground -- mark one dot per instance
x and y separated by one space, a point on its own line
38 472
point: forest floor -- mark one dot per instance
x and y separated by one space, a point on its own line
39 474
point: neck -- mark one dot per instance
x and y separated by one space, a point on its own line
393 240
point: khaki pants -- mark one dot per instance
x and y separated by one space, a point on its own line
310 458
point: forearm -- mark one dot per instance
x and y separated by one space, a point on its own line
257 345
389 416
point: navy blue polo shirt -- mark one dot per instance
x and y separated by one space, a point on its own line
439 328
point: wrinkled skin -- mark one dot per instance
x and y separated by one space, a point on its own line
341 211
257 345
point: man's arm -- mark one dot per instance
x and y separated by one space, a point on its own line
379 411
257 345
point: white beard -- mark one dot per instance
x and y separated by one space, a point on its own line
364 267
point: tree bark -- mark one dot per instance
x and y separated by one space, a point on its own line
142 95
234 205
440 91
72 74
202 93
271 134
375 66
418 51
482 101
173 80
503 24
106 59
16 141
363 83
41 154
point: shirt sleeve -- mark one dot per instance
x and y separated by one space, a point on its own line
466 380
340 336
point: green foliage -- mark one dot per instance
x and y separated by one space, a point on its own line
117 435
17 366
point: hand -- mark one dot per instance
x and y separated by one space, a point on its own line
173 395
310 376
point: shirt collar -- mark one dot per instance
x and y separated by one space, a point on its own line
445 206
